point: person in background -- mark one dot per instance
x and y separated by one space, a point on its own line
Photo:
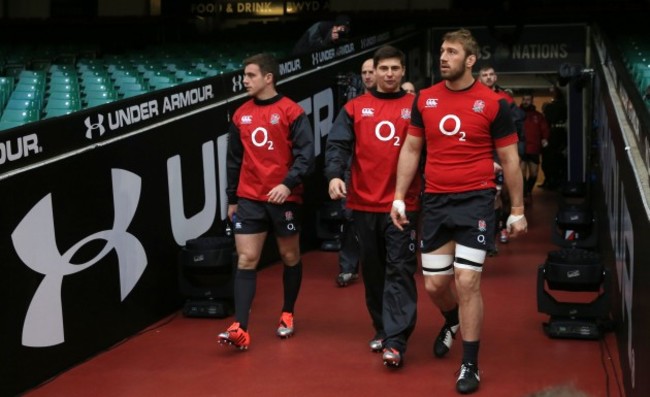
368 75
369 132
270 152
488 76
459 122
323 34
349 253
554 155
537 134
408 87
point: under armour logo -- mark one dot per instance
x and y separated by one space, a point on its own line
237 83
43 324
90 127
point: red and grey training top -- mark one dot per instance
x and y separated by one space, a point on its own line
461 130
370 131
269 142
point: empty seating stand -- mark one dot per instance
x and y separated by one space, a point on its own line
51 82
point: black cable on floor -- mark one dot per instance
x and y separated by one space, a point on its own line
605 347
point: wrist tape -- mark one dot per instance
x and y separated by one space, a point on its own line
400 206
512 219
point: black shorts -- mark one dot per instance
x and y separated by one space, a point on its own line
254 217
531 158
467 218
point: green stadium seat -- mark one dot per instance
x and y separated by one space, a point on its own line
5 125
92 102
126 80
63 104
21 115
7 82
28 87
32 74
23 104
63 88
188 75
131 87
132 93
109 94
71 80
124 73
70 96
56 112
94 79
96 87
63 68
27 95
160 82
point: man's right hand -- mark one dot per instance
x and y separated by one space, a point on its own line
398 214
232 208
337 189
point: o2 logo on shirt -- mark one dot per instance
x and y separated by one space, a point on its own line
260 138
450 126
387 125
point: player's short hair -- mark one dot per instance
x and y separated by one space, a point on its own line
388 51
267 64
465 38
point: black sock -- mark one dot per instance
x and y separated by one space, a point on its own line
245 285
498 215
504 219
291 279
451 316
470 352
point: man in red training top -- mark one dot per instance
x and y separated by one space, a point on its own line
270 151
461 122
370 130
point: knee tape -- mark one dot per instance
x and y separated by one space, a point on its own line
469 258
437 265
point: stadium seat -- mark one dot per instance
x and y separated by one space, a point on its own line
108 94
188 75
54 112
21 115
131 87
74 96
23 104
28 95
162 81
54 103
92 102
5 125
63 88
132 93
97 87
28 87
121 81
71 80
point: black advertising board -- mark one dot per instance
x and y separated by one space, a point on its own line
96 205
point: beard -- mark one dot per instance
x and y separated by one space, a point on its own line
452 74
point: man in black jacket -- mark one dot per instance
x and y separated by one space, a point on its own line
323 34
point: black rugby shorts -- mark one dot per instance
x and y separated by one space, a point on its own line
254 217
467 218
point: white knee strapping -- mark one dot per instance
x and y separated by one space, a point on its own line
471 254
437 264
